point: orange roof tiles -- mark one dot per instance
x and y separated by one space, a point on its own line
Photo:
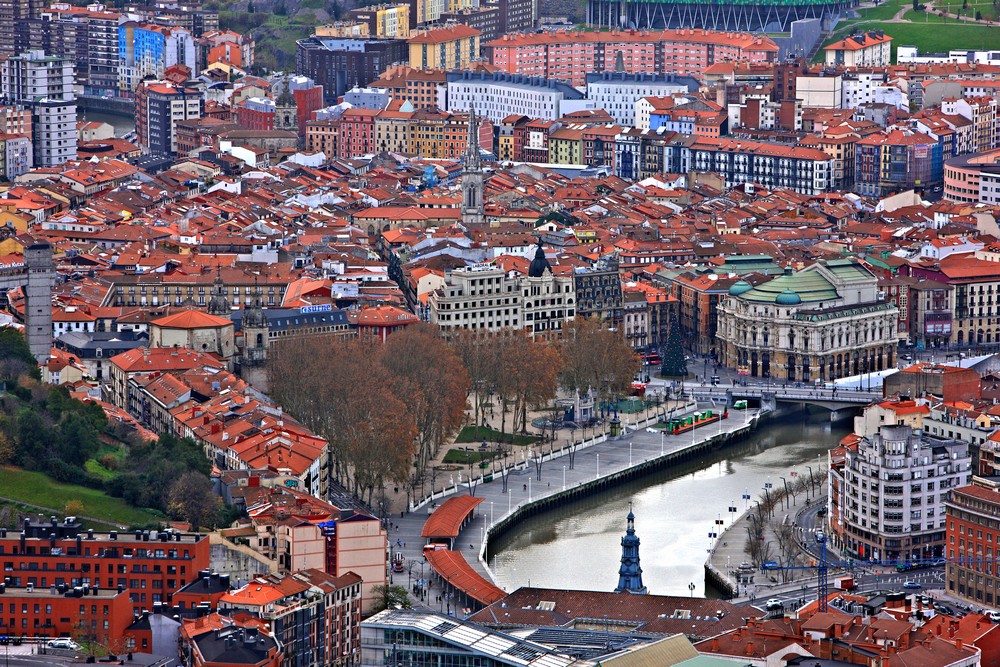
448 34
191 319
742 40
447 520
451 565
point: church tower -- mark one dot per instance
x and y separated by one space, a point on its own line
472 174
255 342
630 574
219 304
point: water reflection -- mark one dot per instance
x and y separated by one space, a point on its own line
577 546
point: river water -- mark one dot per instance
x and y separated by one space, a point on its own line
578 545
122 124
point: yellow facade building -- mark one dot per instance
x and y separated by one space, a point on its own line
450 48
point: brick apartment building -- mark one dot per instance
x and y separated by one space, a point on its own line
147 565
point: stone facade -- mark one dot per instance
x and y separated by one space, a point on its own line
825 322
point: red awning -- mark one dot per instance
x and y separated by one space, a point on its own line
453 568
447 520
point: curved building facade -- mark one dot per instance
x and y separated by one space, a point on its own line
825 322
753 16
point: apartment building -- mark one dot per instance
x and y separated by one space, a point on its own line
452 47
571 55
315 616
866 49
146 50
497 95
484 298
339 64
973 532
887 496
159 106
150 566
44 84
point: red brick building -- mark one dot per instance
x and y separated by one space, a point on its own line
946 382
64 611
148 565
973 542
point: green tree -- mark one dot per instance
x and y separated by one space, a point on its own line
193 499
390 597
674 364
15 356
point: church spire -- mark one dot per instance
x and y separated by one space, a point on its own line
472 174
630 574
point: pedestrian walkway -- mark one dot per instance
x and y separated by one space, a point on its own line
532 482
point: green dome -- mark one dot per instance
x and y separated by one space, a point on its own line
788 298
739 287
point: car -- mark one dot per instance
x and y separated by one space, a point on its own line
820 536
943 609
63 642
938 561
994 615
774 603
911 584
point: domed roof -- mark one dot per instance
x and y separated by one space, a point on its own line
788 298
539 265
739 287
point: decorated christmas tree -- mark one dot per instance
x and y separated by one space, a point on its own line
674 365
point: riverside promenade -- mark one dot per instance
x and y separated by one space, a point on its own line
598 464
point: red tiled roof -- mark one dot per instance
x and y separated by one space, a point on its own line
447 519
453 567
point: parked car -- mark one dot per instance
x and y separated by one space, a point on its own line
63 642
774 603
994 615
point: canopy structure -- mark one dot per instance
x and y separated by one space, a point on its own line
447 520
452 567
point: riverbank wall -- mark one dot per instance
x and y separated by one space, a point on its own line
610 480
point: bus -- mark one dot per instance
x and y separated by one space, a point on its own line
651 359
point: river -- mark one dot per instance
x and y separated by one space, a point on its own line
578 545
122 124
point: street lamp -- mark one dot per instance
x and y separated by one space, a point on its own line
598 466
786 491
564 478
630 455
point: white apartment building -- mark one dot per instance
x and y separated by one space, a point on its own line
499 95
483 297
45 85
887 496
620 97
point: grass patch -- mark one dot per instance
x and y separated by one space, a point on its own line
943 38
95 468
313 4
466 457
38 489
485 434
883 11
